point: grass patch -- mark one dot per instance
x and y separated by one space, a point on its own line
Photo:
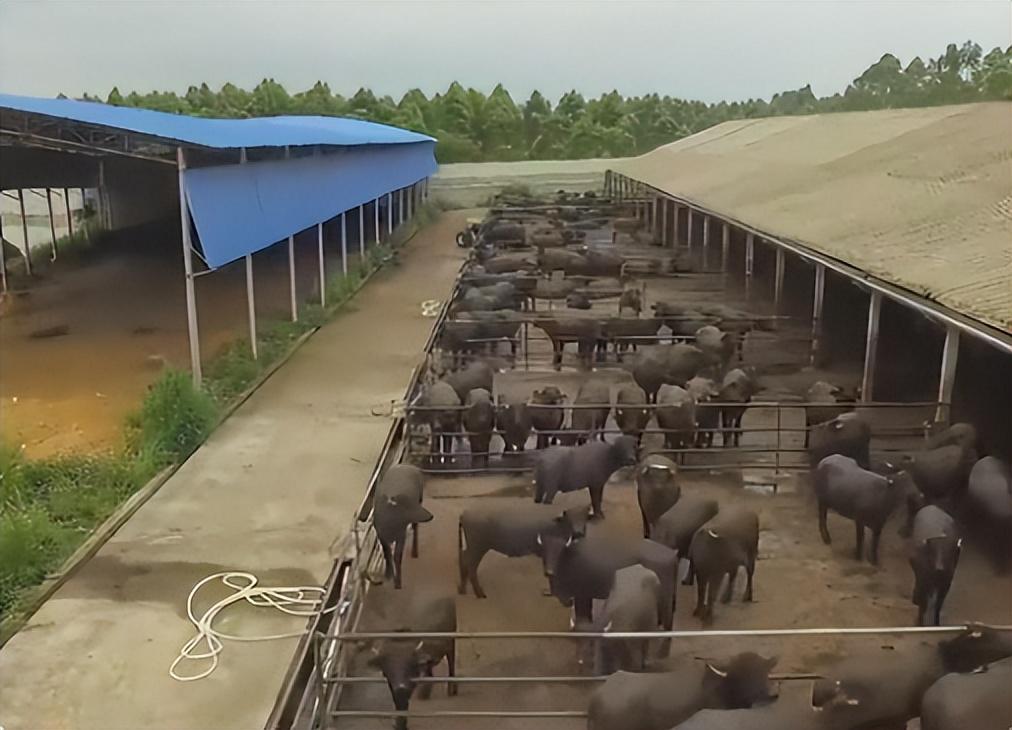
49 506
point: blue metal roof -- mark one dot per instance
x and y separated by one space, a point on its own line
219 133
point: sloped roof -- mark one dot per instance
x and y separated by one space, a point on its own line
920 198
218 133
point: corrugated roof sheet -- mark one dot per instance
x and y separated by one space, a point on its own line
921 198
219 133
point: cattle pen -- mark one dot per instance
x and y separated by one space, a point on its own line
518 666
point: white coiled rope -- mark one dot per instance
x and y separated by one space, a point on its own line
295 601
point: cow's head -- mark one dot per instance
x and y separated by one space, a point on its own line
832 695
408 509
742 681
402 663
975 647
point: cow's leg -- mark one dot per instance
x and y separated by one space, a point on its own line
398 557
474 560
583 608
596 493
388 561
859 534
876 534
425 690
646 524
731 576
463 561
749 574
689 575
414 539
700 596
712 589
451 669
940 593
557 355
823 528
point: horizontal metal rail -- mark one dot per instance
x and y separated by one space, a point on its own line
845 405
677 634
585 679
432 714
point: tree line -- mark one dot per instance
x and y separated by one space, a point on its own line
472 126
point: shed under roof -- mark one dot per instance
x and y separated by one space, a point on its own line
920 198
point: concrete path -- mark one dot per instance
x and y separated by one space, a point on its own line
269 493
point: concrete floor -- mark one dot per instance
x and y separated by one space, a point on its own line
269 493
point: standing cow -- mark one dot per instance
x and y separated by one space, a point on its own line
738 387
860 495
726 543
657 488
397 503
588 422
404 661
934 556
589 466
631 606
676 417
547 414
514 531
847 434
514 421
479 420
631 419
989 501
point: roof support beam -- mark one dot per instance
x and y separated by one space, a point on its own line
820 291
706 242
344 243
725 246
323 271
778 282
947 377
871 347
361 231
3 258
24 231
293 295
251 306
191 296
52 222
749 263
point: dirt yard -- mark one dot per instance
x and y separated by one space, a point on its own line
80 344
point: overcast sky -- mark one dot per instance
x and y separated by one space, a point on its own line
706 49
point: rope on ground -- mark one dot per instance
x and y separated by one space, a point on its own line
292 600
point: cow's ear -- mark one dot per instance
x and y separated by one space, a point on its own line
716 670
772 662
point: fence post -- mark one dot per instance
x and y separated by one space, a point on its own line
725 247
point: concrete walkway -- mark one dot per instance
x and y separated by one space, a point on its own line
269 493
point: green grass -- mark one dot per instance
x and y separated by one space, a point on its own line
49 506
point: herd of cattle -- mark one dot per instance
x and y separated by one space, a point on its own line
694 390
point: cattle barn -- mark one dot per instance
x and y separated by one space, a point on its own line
303 196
